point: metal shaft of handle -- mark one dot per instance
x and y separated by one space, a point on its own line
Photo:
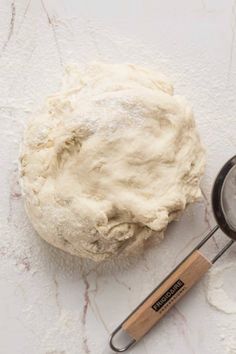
206 238
221 252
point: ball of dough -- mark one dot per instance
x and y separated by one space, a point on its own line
110 160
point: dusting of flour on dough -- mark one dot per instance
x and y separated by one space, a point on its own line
110 160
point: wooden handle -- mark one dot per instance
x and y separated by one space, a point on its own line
160 301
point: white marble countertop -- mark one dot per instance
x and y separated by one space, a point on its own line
53 303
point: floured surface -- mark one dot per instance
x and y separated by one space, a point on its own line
110 160
220 293
43 293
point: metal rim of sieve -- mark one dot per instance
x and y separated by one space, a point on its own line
217 198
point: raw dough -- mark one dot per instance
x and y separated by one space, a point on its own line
110 160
